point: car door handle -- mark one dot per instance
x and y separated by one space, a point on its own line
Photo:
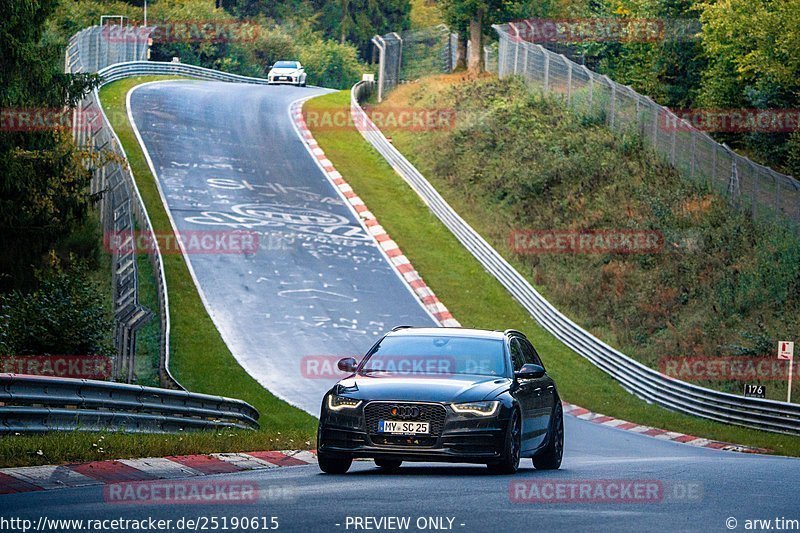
538 391
551 388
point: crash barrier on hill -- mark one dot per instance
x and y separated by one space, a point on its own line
646 383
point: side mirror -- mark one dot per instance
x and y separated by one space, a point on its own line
270 66
530 371
348 364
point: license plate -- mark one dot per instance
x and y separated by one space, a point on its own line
403 428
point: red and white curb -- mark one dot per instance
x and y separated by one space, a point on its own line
398 260
34 478
691 440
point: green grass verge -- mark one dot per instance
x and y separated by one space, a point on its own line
478 300
200 360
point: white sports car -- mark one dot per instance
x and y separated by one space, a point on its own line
287 72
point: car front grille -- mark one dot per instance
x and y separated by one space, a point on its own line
434 414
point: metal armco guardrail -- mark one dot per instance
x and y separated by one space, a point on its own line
119 71
121 206
33 404
638 379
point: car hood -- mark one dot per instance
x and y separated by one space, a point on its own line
284 71
458 388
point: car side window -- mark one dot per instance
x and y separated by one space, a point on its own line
517 358
529 353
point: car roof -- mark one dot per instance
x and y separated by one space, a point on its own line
446 332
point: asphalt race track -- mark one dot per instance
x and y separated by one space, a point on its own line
701 489
228 158
317 288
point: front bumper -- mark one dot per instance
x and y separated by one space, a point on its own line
453 438
290 80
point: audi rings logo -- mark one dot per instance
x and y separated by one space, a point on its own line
404 411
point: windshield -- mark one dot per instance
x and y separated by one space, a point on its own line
285 64
436 356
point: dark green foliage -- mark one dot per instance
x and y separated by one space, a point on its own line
43 186
330 64
64 315
357 21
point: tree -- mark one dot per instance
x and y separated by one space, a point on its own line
753 50
473 17
357 21
44 194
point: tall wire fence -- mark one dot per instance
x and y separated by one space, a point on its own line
692 152
412 54
97 47
121 209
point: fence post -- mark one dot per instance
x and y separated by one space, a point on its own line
656 118
674 141
546 67
613 109
777 185
569 78
381 46
694 146
755 188
525 61
399 57
714 166
516 44
733 181
639 122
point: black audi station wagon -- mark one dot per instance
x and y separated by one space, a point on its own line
443 394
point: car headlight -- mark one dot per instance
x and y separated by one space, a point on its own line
337 403
477 408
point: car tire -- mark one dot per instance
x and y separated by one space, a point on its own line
388 465
509 461
334 464
550 457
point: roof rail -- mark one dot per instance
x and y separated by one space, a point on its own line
396 328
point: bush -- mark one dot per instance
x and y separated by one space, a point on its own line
271 45
331 64
64 315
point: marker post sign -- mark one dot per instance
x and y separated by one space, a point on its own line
786 353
